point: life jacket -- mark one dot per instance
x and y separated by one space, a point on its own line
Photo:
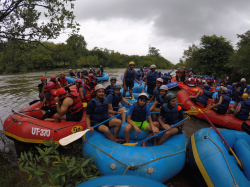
90 71
229 93
130 76
159 75
169 78
241 88
86 73
139 115
56 86
164 78
94 84
83 73
182 72
225 103
117 98
98 72
245 109
171 115
51 100
192 81
204 97
94 73
77 104
71 74
100 112
87 96
138 76
41 84
161 100
78 75
109 89
156 92
190 73
63 82
177 73
151 77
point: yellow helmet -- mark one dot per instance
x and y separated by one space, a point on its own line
245 96
131 63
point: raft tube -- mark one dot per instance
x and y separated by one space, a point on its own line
70 80
121 180
104 77
212 163
225 120
31 129
159 163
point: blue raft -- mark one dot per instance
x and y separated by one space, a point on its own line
159 163
211 162
105 77
70 80
121 180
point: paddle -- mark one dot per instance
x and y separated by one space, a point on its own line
189 112
138 85
68 139
221 137
245 127
22 114
139 143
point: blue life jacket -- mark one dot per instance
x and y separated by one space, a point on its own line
78 75
169 78
245 109
156 92
241 88
204 97
164 78
117 98
171 115
139 115
90 71
151 79
130 76
94 73
225 103
229 93
109 89
98 72
138 76
100 112
71 74
161 100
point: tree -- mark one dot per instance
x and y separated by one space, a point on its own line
153 51
188 56
22 20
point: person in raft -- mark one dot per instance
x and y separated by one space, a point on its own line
129 78
160 100
183 75
242 112
156 92
177 74
80 89
109 89
222 101
238 89
53 79
202 98
41 88
71 74
151 80
101 68
62 80
137 119
114 101
172 114
49 110
97 112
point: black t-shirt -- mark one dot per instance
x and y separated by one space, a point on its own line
91 85
47 95
40 87
162 113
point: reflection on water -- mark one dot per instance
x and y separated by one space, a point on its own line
17 91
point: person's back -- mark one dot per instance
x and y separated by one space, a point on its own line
164 78
223 107
138 75
245 109
203 98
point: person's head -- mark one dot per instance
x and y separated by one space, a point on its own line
138 71
86 80
100 91
43 80
206 87
62 75
178 68
78 70
91 76
223 90
165 74
53 78
113 80
171 99
49 86
204 82
163 90
243 81
142 99
117 88
70 70
78 82
159 72
159 82
100 66
228 86
245 96
131 65
184 68
93 69
248 86
191 69
153 68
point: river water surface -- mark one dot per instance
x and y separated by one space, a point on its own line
17 91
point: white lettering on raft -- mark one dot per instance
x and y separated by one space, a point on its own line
41 132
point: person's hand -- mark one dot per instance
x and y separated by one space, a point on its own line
140 83
37 108
191 97
155 130
148 101
129 104
56 99
138 130
142 90
91 129
166 126
118 113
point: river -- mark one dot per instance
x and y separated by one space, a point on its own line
17 91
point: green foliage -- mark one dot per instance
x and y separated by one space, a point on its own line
60 170
153 51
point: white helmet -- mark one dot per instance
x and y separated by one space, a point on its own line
152 66
164 87
204 81
143 94
98 87
159 80
225 90
243 80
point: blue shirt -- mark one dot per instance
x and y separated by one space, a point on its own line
84 90
110 98
131 109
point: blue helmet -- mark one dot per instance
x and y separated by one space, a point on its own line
228 86
218 79
159 71
149 71
209 78
183 67
165 74
138 71
248 86
191 69
218 84
178 68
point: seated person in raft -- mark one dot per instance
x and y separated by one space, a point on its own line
242 112
156 92
137 119
172 114
222 101
202 98
68 105
97 112
114 101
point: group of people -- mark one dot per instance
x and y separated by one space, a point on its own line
81 74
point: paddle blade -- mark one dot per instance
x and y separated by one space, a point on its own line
245 127
68 139
130 144
84 104
192 112
205 109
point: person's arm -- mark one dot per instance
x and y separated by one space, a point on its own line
197 95
88 123
67 102
237 111
235 86
42 104
42 91
146 82
219 103
153 106
124 77
111 111
81 93
152 98
154 128
125 101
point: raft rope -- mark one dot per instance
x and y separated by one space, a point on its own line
131 167
224 157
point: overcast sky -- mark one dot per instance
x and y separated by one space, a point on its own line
130 26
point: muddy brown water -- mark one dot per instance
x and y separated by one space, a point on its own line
16 91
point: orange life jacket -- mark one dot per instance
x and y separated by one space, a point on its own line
77 105
63 82
51 100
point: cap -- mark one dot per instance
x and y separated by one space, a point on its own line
152 66
98 87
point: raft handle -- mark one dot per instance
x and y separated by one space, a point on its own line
133 167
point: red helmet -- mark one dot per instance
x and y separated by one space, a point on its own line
60 91
49 86
62 73
43 78
91 75
53 78
87 78
79 80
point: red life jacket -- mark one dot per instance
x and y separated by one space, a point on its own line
87 94
93 81
77 105
63 82
51 100
192 81
182 72
56 85
177 73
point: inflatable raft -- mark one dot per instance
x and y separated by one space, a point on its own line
70 80
141 81
211 162
121 180
104 77
26 126
225 120
159 163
